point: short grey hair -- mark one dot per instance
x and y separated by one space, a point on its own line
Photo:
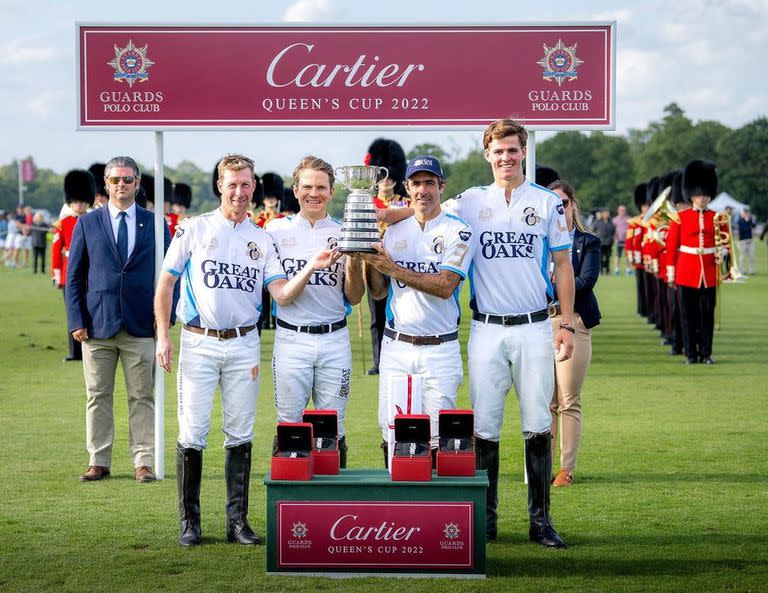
121 161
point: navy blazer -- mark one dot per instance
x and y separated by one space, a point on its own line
101 294
585 258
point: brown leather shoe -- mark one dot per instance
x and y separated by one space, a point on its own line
563 478
144 474
94 473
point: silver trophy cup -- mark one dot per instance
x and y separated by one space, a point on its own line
360 231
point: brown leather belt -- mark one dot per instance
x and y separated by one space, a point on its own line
421 340
508 320
221 334
554 310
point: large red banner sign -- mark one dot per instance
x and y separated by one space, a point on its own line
171 77
340 534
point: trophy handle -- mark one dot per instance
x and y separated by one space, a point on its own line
386 172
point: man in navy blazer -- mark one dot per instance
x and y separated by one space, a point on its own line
109 309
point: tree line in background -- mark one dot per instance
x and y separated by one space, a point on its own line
603 168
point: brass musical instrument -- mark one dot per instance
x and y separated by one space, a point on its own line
728 266
659 215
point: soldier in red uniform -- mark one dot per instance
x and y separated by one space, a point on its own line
693 262
79 194
181 202
273 189
633 245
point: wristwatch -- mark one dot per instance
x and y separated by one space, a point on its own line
568 327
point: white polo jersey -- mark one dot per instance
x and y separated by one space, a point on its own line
223 267
508 275
322 300
444 244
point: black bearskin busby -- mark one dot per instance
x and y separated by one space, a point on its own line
545 176
79 186
273 185
641 196
289 204
182 195
676 193
147 184
699 178
387 153
98 170
652 189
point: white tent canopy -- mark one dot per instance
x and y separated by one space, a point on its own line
723 200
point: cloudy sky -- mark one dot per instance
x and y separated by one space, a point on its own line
703 54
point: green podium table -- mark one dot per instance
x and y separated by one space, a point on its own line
360 522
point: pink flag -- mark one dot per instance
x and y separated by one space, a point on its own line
28 171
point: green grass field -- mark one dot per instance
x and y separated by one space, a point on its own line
671 489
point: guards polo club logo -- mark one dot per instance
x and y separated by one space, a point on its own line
560 62
451 530
299 530
131 63
438 244
529 216
253 251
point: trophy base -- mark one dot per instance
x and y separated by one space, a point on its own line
357 250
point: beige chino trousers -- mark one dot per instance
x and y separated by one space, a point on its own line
100 357
566 400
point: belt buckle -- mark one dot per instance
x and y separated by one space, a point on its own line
508 320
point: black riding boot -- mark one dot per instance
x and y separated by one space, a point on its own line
189 471
488 459
343 452
237 469
385 449
538 463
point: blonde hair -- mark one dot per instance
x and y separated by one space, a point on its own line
234 162
567 189
314 163
502 128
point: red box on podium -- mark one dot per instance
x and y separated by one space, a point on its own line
456 448
293 458
412 460
325 440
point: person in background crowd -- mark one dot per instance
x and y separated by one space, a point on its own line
390 194
570 374
110 286
620 225
605 231
14 238
39 236
744 226
3 232
79 192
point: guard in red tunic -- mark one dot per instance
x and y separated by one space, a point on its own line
79 194
693 262
180 203
634 243
273 189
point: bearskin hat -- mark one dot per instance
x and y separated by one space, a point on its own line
387 153
215 181
147 183
641 195
666 181
273 185
79 186
182 195
699 178
98 170
167 190
545 176
289 202
676 193
652 189
141 197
